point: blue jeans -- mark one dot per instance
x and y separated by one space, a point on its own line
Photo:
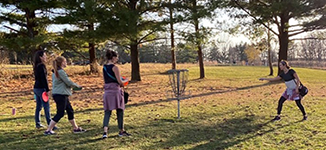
39 103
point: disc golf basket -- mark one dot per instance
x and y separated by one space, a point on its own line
178 81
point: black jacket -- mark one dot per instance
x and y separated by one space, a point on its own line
40 75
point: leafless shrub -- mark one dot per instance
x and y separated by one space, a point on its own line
309 64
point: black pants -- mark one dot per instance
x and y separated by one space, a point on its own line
63 104
282 100
107 115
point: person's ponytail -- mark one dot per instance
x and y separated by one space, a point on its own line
57 64
55 68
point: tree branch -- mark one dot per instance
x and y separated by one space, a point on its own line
258 20
149 9
145 36
116 42
310 38
145 41
297 30
262 3
276 21
15 30
126 36
297 25
79 53
57 13
14 21
296 33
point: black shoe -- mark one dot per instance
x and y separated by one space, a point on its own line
305 118
277 118
49 133
104 135
124 133
79 130
39 126
55 128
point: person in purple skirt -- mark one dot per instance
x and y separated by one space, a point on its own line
292 83
113 93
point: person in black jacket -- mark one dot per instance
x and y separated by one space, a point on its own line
40 86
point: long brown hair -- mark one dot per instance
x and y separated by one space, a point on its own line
57 64
37 60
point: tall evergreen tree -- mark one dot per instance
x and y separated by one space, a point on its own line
25 23
193 12
134 26
83 16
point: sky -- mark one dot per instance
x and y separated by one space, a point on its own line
219 25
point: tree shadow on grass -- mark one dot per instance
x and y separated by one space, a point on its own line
35 139
153 101
16 118
238 133
229 133
235 89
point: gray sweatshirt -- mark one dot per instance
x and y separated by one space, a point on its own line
62 85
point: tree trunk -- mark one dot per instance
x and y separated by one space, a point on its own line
135 71
271 72
134 52
92 58
30 22
198 42
30 18
283 41
92 53
172 40
201 63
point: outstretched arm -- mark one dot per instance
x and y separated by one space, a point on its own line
271 79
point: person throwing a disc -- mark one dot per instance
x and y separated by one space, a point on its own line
113 98
40 87
61 90
292 83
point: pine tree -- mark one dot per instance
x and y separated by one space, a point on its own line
133 26
25 23
84 15
193 12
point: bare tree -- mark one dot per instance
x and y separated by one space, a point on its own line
312 49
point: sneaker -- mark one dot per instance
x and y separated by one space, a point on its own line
55 128
79 130
39 126
49 133
277 118
305 118
104 135
124 133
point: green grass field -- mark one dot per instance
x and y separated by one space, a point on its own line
229 109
